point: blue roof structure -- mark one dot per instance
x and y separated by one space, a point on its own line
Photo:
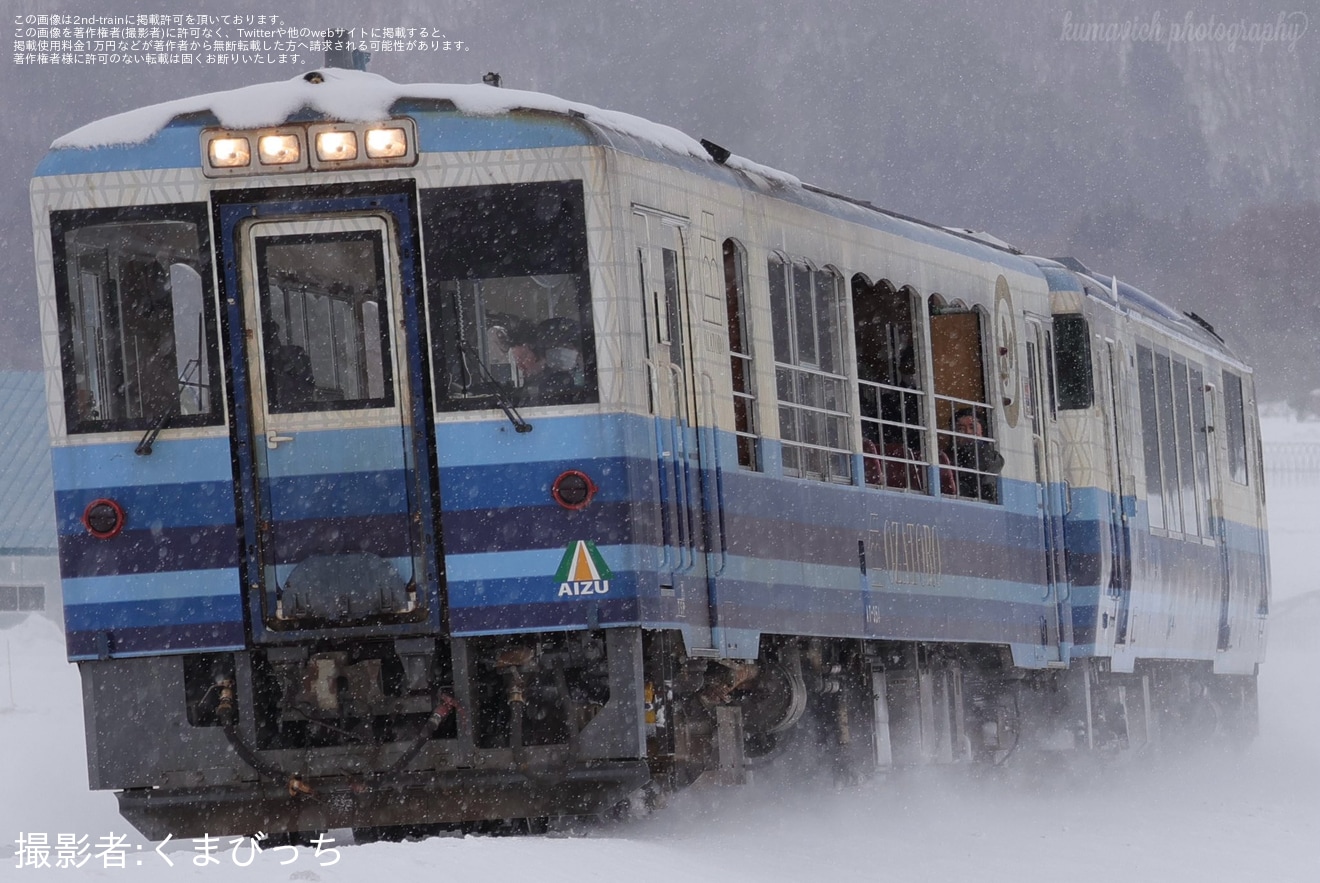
27 508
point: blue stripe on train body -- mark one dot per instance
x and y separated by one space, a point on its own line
171 581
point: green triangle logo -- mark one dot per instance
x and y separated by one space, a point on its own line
582 562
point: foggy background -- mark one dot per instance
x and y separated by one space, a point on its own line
1185 166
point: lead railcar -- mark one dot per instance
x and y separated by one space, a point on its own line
429 455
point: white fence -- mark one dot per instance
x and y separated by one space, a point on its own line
1292 461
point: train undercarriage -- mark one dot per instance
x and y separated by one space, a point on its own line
414 736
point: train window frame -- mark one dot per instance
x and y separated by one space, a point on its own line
1074 370
742 362
1176 444
812 392
891 388
1235 429
966 482
477 360
299 329
1150 437
209 396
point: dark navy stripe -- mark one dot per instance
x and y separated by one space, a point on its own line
139 640
389 536
474 531
147 551
536 615
165 625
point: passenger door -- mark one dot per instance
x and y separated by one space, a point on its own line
332 439
1041 411
1120 578
688 508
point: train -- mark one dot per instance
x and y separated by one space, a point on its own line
435 456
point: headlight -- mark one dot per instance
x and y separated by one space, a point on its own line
385 143
278 150
229 153
336 146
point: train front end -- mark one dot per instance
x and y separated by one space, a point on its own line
339 503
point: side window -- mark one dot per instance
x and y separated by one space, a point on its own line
508 292
812 392
889 387
1150 436
1235 418
740 355
970 460
137 332
1072 358
1173 514
1176 445
1186 449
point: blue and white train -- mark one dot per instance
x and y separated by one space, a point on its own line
438 455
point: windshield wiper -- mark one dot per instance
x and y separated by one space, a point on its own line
501 395
143 448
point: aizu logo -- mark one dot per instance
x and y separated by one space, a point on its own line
582 571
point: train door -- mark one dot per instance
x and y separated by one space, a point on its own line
323 308
1120 572
686 510
1041 408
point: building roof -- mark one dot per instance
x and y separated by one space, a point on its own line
27 506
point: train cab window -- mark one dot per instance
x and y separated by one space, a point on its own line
889 387
1235 418
137 329
1072 358
805 306
509 297
740 355
970 460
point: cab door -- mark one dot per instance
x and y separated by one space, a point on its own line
332 438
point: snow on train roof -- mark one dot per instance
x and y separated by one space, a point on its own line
357 96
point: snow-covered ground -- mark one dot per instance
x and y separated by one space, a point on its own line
1210 817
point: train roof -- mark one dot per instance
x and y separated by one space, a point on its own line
1069 274
155 136
358 96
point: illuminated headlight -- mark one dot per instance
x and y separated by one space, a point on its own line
276 150
385 143
336 146
229 153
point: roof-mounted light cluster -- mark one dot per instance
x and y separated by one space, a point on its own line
311 147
